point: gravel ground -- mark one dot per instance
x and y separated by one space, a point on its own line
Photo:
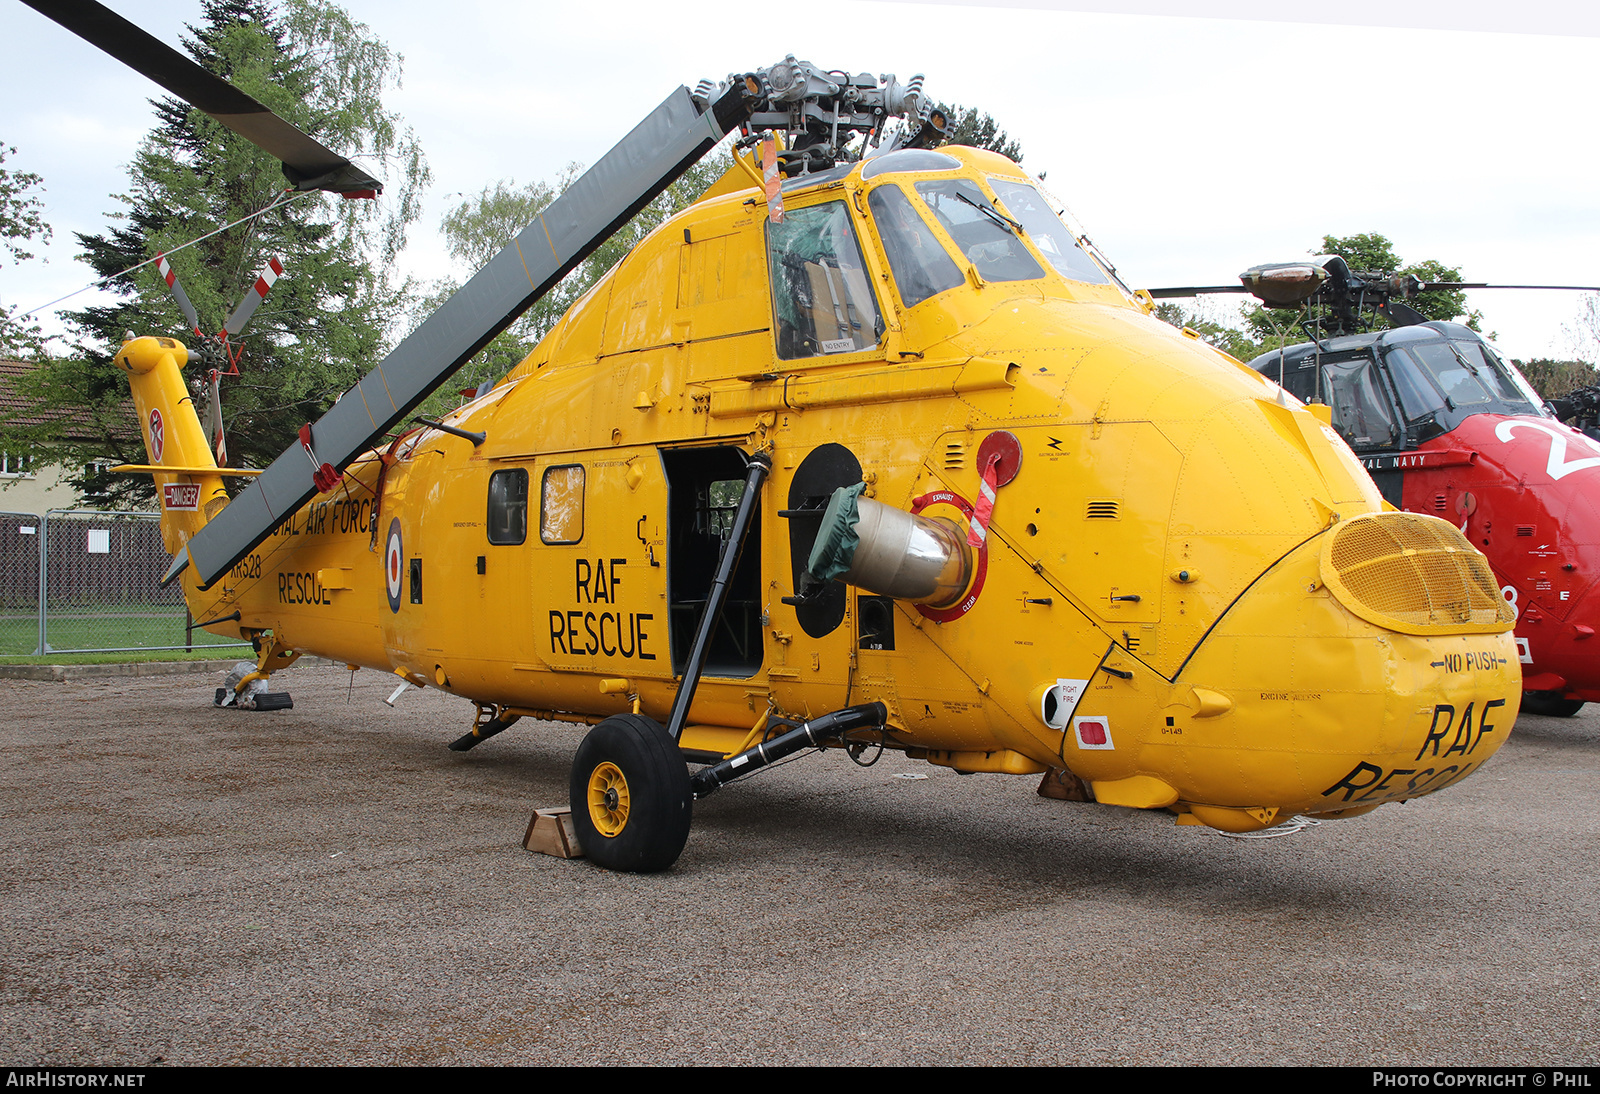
330 885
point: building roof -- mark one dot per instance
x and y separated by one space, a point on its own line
18 410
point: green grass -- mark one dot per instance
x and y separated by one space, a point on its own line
135 628
210 653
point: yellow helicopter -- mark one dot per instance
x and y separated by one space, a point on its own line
862 450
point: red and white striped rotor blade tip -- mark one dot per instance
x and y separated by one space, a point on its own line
252 300
171 278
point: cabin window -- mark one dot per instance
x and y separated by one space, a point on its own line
97 481
921 266
821 298
715 517
979 230
508 507
561 504
1045 229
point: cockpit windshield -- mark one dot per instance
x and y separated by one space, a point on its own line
980 231
1051 236
1454 375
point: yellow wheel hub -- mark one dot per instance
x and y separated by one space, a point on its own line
608 799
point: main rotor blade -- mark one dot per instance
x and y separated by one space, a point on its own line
658 150
306 162
1429 286
1192 290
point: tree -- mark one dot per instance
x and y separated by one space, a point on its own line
21 223
328 320
1553 379
1369 255
970 126
1583 334
1373 254
1230 340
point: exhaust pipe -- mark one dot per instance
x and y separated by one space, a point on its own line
888 551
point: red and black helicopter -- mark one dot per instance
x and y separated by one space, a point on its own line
1446 425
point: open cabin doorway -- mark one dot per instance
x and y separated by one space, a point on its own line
703 488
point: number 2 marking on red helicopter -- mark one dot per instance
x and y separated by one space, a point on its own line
1558 467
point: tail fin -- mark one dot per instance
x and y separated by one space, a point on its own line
188 481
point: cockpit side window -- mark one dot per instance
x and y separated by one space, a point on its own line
921 266
1361 409
1051 236
821 298
979 230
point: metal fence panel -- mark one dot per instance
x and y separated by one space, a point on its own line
21 539
101 586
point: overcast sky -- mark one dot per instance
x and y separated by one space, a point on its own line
1188 148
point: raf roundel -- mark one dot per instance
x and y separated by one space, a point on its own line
394 562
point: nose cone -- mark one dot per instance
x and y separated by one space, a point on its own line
1335 712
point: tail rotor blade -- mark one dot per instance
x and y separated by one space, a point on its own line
171 278
267 278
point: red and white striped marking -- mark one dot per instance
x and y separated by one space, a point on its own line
1000 458
267 278
770 181
185 305
978 532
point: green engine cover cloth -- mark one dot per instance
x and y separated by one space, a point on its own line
836 541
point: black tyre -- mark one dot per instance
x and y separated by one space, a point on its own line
1550 704
630 795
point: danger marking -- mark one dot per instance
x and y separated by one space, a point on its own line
181 495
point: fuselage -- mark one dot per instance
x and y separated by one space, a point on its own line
1189 595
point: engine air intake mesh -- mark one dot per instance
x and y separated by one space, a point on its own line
1414 574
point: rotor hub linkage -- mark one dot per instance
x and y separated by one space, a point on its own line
810 735
821 111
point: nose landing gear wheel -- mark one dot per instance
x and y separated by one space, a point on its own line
630 795
1550 704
